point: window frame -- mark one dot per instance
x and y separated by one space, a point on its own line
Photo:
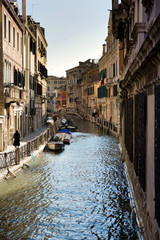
9 31
5 26
14 37
17 41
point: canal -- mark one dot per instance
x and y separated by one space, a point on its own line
80 193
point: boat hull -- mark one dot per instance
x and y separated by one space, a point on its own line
65 137
55 146
70 128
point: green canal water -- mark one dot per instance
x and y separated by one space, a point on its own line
80 193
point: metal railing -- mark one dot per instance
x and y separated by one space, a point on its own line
8 159
108 125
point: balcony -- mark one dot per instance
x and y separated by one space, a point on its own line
108 81
14 93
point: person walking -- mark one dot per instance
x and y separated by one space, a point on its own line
16 137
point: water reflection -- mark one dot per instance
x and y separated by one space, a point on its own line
81 193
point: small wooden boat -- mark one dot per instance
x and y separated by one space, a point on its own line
63 135
72 128
68 124
55 146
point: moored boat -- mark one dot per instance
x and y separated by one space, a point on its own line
55 146
63 135
68 124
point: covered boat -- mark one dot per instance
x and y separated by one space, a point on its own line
63 135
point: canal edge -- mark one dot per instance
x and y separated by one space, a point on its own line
14 169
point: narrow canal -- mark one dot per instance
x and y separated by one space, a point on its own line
81 193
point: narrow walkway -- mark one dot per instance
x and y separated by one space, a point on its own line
27 138
26 159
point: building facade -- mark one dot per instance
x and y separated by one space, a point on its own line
21 69
60 99
53 85
137 24
40 76
29 53
91 84
109 77
12 84
75 87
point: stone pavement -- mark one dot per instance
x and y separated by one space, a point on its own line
27 138
25 160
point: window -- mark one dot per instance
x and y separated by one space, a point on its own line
17 41
21 45
14 37
7 73
5 26
115 90
110 72
9 31
114 70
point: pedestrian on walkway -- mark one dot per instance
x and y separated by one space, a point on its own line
16 137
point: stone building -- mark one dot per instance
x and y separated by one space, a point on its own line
29 53
12 84
40 76
75 86
23 73
109 76
91 84
60 99
34 64
53 85
137 24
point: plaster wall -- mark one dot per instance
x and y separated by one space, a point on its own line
11 53
150 156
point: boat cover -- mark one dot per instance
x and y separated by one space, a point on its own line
64 131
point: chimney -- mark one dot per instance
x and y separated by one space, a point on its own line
114 4
104 48
24 11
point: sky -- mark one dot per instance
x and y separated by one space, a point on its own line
74 29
